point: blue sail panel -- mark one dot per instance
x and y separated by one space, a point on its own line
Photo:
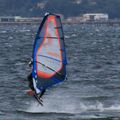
49 56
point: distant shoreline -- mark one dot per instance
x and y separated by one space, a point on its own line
17 23
109 22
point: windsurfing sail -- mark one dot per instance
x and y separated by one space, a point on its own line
49 55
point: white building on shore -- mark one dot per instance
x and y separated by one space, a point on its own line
19 19
95 17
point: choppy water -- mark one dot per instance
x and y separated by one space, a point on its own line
93 86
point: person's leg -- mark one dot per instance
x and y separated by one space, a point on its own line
42 93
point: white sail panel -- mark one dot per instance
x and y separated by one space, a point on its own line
49 53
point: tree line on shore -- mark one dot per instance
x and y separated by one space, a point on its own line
66 7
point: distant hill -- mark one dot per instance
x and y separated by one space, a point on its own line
65 7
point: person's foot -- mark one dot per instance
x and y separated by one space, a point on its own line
39 97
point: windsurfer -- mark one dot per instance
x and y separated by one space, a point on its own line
30 80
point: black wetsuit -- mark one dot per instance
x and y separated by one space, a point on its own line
30 81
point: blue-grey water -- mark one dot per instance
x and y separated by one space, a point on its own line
92 90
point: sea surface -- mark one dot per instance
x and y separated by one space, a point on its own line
92 91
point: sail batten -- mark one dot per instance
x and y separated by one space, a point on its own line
52 37
49 56
58 73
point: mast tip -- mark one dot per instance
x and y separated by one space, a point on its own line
47 13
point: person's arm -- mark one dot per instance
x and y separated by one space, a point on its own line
30 63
